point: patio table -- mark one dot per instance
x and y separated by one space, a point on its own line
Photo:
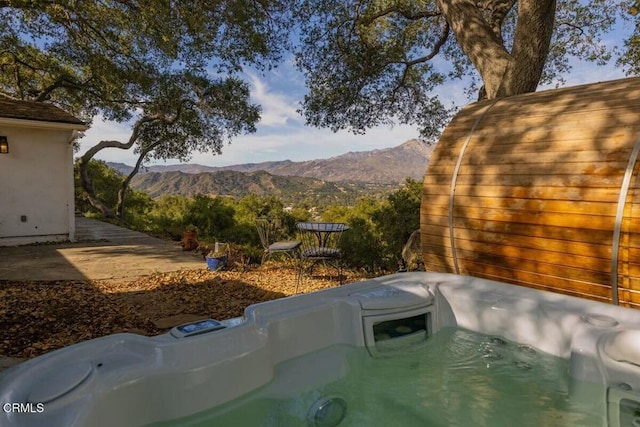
320 244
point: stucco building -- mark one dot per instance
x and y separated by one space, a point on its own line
36 172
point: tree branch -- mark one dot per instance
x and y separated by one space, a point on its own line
444 35
498 10
122 192
9 96
83 163
574 26
408 64
406 12
61 81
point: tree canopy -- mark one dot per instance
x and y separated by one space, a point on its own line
169 66
371 62
172 68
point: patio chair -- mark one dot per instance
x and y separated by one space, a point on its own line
266 231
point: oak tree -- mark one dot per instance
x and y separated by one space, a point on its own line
370 62
169 68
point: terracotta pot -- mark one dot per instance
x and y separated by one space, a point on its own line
189 241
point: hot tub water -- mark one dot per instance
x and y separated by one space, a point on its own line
455 378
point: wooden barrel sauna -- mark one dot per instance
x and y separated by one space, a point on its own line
541 190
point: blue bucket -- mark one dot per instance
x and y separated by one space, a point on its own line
215 263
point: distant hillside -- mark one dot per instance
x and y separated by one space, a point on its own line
385 166
289 189
389 165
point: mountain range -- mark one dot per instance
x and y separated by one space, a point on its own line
383 166
337 180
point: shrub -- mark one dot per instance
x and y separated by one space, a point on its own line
210 216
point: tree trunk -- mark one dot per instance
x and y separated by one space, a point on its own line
530 47
503 73
87 184
83 163
125 184
477 40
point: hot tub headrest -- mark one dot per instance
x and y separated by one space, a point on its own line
394 296
623 346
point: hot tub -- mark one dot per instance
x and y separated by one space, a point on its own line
196 374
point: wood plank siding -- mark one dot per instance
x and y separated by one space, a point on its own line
526 190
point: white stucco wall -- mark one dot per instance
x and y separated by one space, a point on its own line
36 184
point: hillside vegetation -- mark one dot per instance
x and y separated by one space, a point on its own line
292 190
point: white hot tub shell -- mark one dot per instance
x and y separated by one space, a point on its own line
131 380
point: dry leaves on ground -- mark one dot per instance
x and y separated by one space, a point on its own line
38 317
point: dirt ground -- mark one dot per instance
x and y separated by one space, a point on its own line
38 317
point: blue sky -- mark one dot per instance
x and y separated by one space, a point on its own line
282 134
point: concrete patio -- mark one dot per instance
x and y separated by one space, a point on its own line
102 251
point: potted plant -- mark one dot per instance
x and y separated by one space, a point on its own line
189 238
217 258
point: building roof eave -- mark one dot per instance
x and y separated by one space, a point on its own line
42 124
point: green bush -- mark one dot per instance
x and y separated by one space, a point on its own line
242 256
245 234
210 216
166 218
361 247
398 218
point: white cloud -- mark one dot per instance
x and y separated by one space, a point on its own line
278 109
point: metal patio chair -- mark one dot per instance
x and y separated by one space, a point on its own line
267 230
